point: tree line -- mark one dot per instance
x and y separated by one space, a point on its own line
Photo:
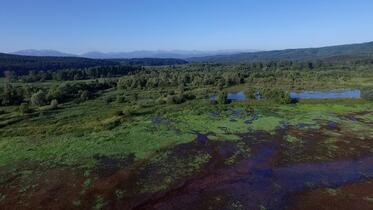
73 74
265 77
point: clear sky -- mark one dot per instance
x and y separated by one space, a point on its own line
77 26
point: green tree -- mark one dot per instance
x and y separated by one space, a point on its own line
39 98
223 98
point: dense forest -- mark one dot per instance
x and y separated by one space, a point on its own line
22 65
73 74
151 61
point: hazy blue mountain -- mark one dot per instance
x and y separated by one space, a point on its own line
181 54
349 51
362 50
52 53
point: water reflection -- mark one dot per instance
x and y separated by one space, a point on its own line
332 94
325 94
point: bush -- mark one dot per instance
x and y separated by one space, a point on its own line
54 104
223 98
279 96
118 113
84 95
131 110
121 99
367 94
189 96
24 108
213 102
175 99
251 94
108 99
39 98
112 122
161 100
147 103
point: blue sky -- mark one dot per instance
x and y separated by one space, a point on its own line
77 26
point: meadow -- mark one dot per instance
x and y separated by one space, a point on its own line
146 140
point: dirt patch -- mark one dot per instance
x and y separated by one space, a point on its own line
326 143
51 189
350 196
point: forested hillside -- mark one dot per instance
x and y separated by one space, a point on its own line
332 53
151 61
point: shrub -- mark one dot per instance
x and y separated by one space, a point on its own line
223 98
131 110
84 95
54 104
118 113
111 122
251 94
161 100
108 99
121 99
25 108
147 103
213 102
189 96
279 96
39 98
367 94
175 99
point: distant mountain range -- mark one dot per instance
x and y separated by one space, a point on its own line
180 54
46 53
50 60
331 53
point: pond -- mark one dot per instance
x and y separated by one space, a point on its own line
237 96
234 96
333 94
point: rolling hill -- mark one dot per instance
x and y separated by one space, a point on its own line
51 53
24 64
350 51
177 54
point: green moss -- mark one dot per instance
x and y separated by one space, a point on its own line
292 139
266 123
332 192
99 203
